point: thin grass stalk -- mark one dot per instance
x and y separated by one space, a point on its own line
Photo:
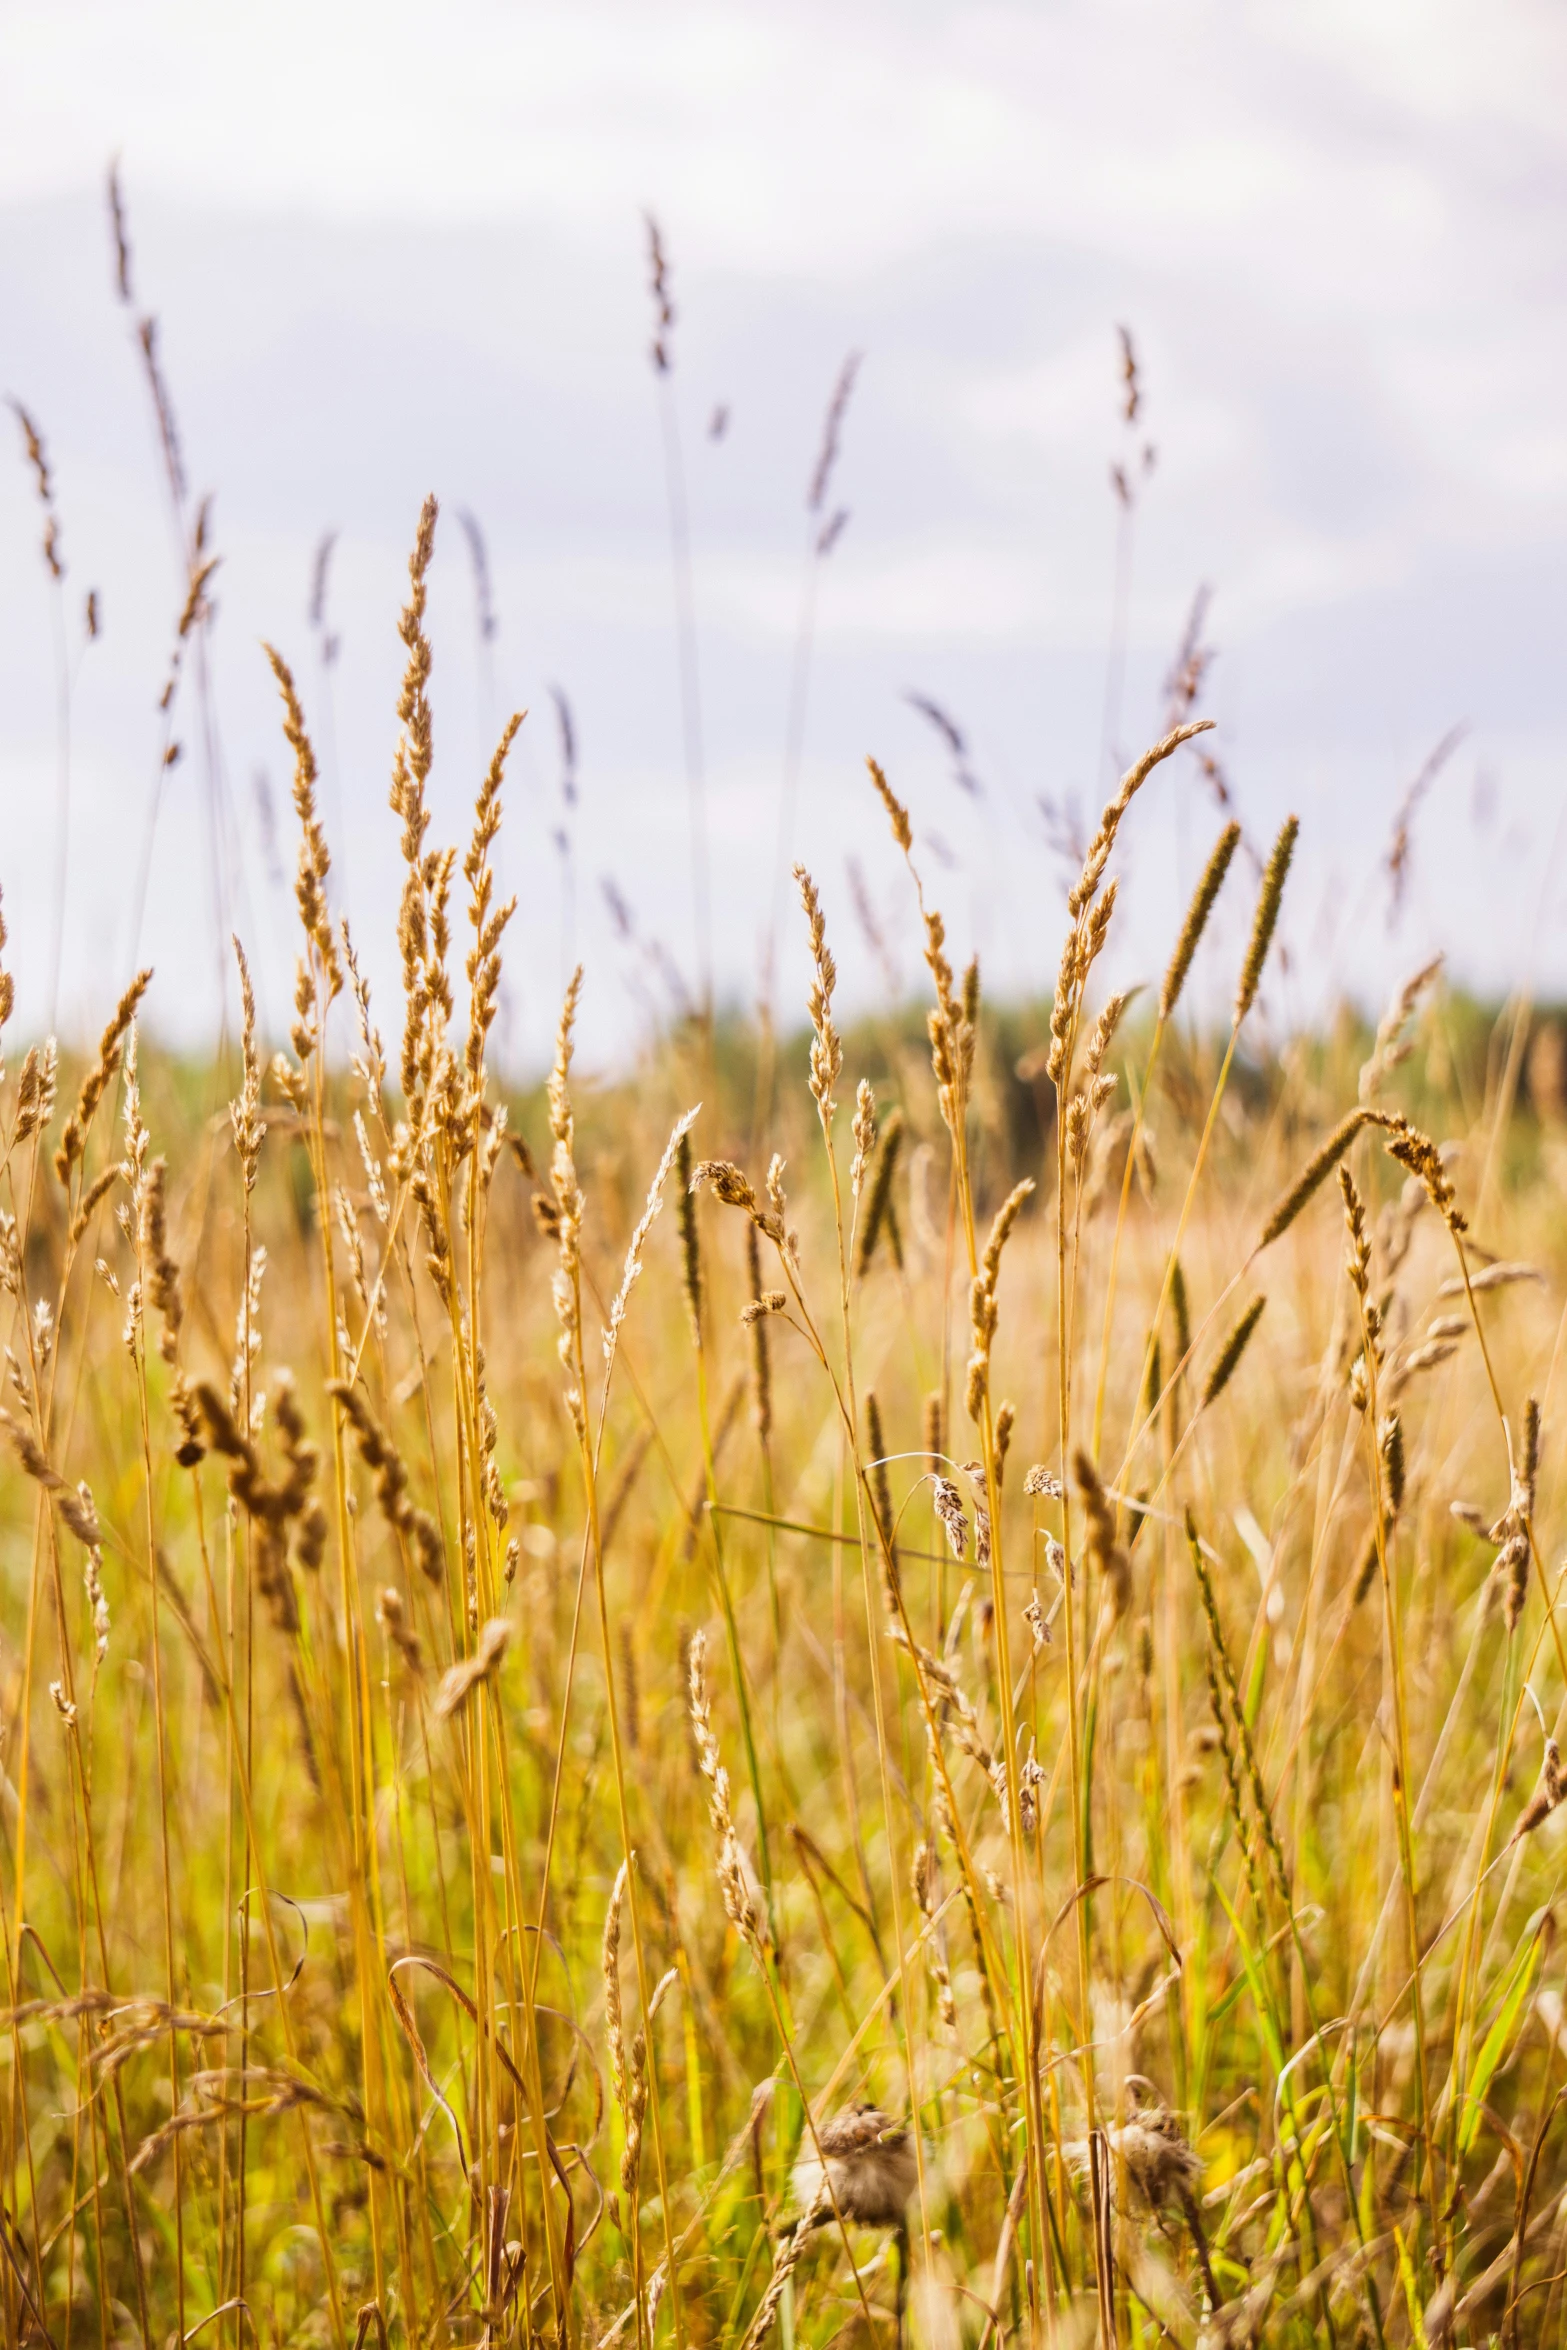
690 689
569 1313
365 1851
280 1984
954 1109
873 1647
1401 1778
161 1747
732 1639
493 1715
1219 1654
84 1853
1139 1428
990 1959
1003 1668
1078 1784
1122 1203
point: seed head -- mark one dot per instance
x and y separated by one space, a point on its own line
1265 920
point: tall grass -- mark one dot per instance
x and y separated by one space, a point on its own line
882 1751
826 1690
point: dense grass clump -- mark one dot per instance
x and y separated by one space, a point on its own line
924 1697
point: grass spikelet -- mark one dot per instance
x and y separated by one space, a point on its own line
983 1306
1098 855
881 1214
460 1680
1311 1177
1104 1551
1512 1573
690 1239
881 1492
161 1273
35 1090
733 1882
392 1616
897 813
315 861
1547 1795
826 1047
1227 1361
609 1969
1417 1153
1393 1464
274 1505
784 2266
488 921
386 1465
37 459
1204 899
1390 1444
864 1135
245 1120
679 1144
1063 1005
91 1200
1006 1422
1100 1038
1180 1312
1529 1459
567 1200
1392 1046
410 773
94 1085
948 1504
30 1454
1269 899
1220 1659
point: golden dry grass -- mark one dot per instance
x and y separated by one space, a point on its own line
612 1736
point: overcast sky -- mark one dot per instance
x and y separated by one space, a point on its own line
394 249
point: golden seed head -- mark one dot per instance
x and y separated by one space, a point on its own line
897 813
1264 922
1197 913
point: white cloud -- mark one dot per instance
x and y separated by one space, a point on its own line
394 244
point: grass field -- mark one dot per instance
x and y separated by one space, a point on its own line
897 1684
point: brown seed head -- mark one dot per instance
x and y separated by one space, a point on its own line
1228 1357
1265 920
897 813
1203 900
1314 1173
1087 883
314 858
460 1680
94 1085
826 1046
880 1213
1104 1552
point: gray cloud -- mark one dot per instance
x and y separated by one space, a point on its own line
391 253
